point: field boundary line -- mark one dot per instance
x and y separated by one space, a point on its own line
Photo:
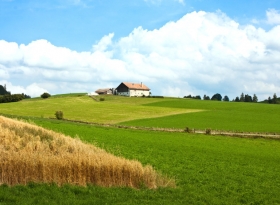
191 131
266 135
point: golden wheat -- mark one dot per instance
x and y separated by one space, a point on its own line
29 153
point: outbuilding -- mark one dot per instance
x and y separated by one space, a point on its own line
104 91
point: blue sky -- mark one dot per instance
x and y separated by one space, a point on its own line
79 24
119 33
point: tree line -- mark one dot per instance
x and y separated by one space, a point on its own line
6 97
242 98
273 100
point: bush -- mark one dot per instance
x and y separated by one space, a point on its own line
59 115
217 96
11 98
208 131
188 130
102 99
45 95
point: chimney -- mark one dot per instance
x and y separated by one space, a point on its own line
141 84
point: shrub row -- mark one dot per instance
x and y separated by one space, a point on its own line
11 98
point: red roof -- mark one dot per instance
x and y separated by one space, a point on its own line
136 86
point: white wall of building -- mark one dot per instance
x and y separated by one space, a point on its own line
138 93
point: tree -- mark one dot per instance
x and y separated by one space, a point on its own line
189 96
197 97
255 98
217 96
3 90
269 100
226 98
205 97
274 99
237 99
45 95
248 98
242 98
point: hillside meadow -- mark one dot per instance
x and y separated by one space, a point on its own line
231 116
81 107
206 169
154 112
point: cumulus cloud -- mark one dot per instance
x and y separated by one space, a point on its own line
201 53
33 89
104 43
273 16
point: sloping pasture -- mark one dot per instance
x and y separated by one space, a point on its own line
81 107
244 117
207 169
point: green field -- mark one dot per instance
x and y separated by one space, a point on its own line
154 112
81 107
247 117
207 169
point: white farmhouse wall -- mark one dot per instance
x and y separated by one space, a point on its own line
138 93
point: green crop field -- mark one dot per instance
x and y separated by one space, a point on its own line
207 169
247 117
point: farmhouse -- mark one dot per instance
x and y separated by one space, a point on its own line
104 91
133 89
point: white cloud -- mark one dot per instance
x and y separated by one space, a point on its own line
33 89
201 53
181 2
273 16
104 43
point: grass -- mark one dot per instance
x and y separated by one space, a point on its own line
207 169
154 112
80 107
245 117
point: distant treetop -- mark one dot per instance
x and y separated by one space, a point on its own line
3 90
217 96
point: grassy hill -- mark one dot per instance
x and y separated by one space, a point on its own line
207 169
154 112
232 116
81 107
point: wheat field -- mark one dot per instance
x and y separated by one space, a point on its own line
29 153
